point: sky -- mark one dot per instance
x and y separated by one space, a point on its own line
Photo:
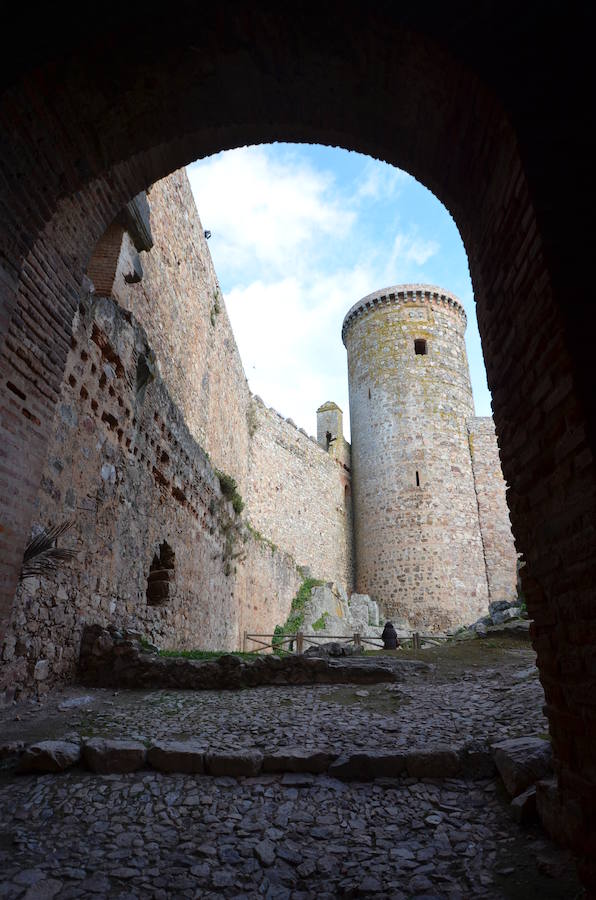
299 233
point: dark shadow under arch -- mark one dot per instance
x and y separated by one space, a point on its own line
89 124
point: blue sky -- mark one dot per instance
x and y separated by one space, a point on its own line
299 234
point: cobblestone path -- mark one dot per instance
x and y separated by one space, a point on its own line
149 835
481 703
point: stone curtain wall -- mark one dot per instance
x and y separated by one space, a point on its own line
418 547
267 581
179 303
123 466
181 307
499 549
297 496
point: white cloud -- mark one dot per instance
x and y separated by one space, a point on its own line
380 182
266 213
293 248
409 249
288 334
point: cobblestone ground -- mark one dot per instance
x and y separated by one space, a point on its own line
176 836
494 695
148 835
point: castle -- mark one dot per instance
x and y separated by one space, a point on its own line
196 510
433 541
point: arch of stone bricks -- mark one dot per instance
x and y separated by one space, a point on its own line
459 99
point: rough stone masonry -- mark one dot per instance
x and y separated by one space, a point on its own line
431 526
155 406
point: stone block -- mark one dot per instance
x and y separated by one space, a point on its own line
523 807
297 759
41 670
297 779
109 756
239 762
368 765
50 756
505 615
498 606
522 762
265 852
477 761
177 756
433 762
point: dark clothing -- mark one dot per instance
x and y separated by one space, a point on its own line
389 637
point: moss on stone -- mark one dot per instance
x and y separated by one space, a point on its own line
229 489
295 619
321 622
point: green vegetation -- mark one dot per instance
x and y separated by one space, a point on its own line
204 654
295 619
216 308
210 654
321 622
261 537
229 489
252 420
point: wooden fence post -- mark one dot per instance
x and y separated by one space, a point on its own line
357 641
416 640
300 642
244 642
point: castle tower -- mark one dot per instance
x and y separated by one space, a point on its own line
418 545
330 423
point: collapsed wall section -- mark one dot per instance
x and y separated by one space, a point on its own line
299 496
267 581
499 549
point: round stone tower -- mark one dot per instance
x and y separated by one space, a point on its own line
418 545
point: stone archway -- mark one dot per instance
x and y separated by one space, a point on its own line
88 124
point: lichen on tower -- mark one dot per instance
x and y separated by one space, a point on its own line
418 544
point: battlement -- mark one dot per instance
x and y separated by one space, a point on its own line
402 293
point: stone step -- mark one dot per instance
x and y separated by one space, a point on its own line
108 756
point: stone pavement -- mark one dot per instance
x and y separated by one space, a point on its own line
148 834
483 703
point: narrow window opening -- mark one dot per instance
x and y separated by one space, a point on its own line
328 439
369 393
420 347
161 576
143 374
417 479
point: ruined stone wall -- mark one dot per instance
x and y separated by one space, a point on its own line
418 546
499 549
297 496
180 305
123 467
267 581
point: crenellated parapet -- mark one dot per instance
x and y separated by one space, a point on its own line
415 294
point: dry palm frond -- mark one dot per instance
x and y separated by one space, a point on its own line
41 557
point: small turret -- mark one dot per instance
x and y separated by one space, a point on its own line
330 424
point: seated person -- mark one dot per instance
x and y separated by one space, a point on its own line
389 637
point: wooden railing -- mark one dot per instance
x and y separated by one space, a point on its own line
296 643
